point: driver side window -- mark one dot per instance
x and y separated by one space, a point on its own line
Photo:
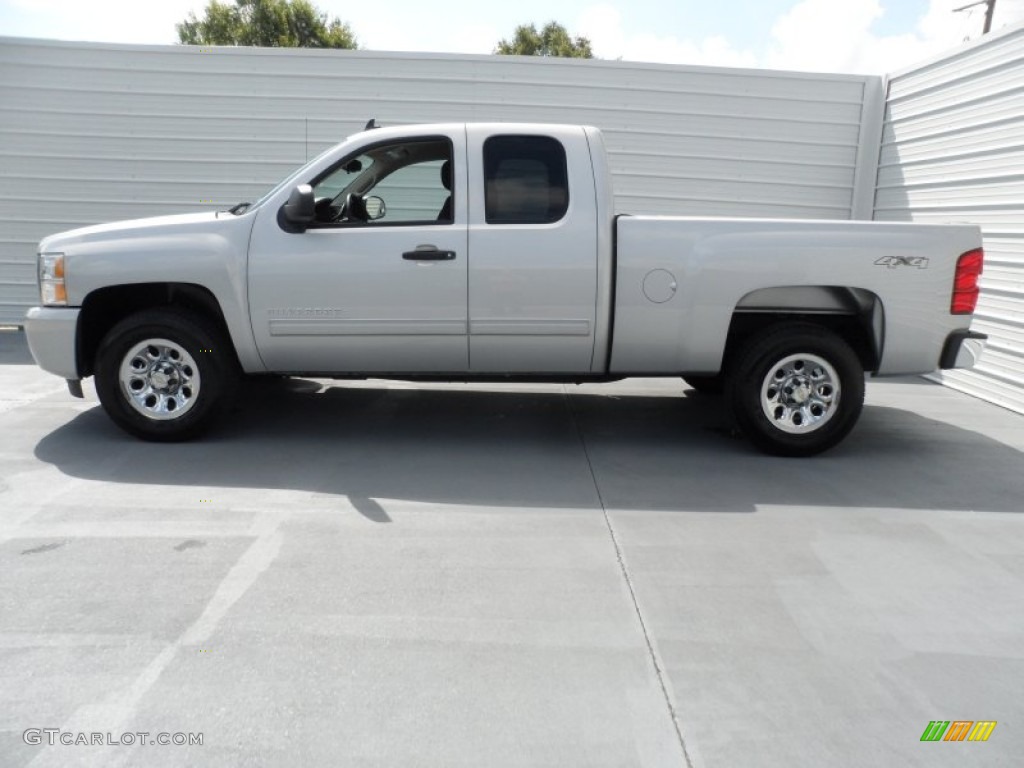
402 182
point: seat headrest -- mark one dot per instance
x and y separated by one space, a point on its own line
446 174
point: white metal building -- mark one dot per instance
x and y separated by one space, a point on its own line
953 150
94 132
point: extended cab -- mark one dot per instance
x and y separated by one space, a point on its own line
491 252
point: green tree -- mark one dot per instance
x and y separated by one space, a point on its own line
553 40
267 23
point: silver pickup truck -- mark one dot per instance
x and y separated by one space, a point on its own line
491 252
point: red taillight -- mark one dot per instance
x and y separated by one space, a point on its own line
965 283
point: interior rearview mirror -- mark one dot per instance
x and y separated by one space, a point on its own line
300 210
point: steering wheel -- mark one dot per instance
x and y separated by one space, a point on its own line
325 210
355 208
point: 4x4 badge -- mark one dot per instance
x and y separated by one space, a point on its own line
921 262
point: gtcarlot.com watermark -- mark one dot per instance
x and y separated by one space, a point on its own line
55 736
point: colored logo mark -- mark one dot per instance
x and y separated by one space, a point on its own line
958 730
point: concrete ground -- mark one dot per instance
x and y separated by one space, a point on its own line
383 574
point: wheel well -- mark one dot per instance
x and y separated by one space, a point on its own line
854 314
855 330
105 307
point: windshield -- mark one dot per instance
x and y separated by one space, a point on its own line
290 179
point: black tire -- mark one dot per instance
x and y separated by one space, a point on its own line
813 407
196 353
706 385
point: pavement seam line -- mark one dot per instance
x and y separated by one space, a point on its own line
659 673
8 404
121 704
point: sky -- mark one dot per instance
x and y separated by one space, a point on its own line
851 36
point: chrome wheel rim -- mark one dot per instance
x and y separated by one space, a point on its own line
159 379
800 394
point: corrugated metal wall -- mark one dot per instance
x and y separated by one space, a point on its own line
92 133
953 150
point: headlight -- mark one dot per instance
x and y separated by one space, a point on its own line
51 279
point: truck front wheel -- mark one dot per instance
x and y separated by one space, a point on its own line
165 374
796 390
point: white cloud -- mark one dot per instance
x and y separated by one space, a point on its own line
831 36
825 35
116 21
822 34
602 25
813 35
380 33
468 37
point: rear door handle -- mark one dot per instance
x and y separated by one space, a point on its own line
428 253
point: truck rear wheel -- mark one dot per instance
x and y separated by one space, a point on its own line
796 390
165 374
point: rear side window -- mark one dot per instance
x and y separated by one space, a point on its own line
525 180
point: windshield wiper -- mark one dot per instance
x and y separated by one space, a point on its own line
240 208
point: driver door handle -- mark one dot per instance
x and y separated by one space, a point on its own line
428 253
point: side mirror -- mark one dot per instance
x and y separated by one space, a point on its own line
300 210
375 207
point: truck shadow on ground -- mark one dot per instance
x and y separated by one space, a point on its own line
523 449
